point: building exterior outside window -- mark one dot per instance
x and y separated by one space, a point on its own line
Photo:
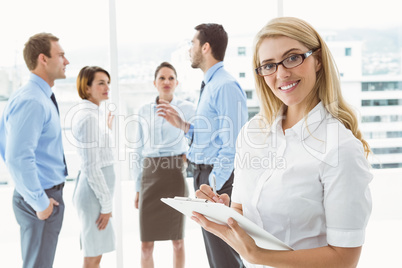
382 86
348 51
249 94
379 102
241 51
381 119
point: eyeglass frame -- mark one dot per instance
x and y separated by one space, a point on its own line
303 55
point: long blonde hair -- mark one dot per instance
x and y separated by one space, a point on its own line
327 85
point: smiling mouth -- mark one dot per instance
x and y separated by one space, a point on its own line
287 87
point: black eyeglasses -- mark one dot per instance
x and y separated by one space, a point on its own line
289 63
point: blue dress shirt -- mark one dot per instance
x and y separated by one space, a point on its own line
31 142
221 113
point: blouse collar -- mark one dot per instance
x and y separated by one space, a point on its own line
89 104
307 125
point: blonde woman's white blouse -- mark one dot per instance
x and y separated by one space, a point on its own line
309 186
92 139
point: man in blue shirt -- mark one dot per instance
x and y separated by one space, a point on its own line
221 112
31 146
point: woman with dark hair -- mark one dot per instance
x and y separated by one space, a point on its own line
93 194
160 169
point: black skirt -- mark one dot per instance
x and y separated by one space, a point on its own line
162 177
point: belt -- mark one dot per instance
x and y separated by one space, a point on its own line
58 186
201 166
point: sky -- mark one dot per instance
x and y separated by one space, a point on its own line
85 23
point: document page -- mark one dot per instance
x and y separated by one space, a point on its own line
220 213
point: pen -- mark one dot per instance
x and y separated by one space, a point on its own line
213 183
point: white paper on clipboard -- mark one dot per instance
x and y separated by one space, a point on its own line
220 213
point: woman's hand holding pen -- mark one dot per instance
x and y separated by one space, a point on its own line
232 233
206 192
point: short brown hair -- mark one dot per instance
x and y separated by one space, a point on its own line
37 44
216 36
162 65
85 79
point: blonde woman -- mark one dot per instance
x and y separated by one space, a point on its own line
313 193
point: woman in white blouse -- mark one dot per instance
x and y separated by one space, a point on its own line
301 171
93 195
159 168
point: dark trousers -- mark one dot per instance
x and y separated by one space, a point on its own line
38 238
220 254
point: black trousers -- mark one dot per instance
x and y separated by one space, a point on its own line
220 254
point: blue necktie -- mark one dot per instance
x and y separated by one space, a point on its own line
201 90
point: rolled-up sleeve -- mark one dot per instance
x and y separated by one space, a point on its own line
347 198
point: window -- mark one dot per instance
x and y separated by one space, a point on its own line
242 75
387 165
348 51
252 111
241 51
391 150
394 134
383 134
382 118
390 102
249 94
382 86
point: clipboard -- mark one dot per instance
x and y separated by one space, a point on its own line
220 213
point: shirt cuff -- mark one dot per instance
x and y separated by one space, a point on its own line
345 238
106 207
138 185
41 203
